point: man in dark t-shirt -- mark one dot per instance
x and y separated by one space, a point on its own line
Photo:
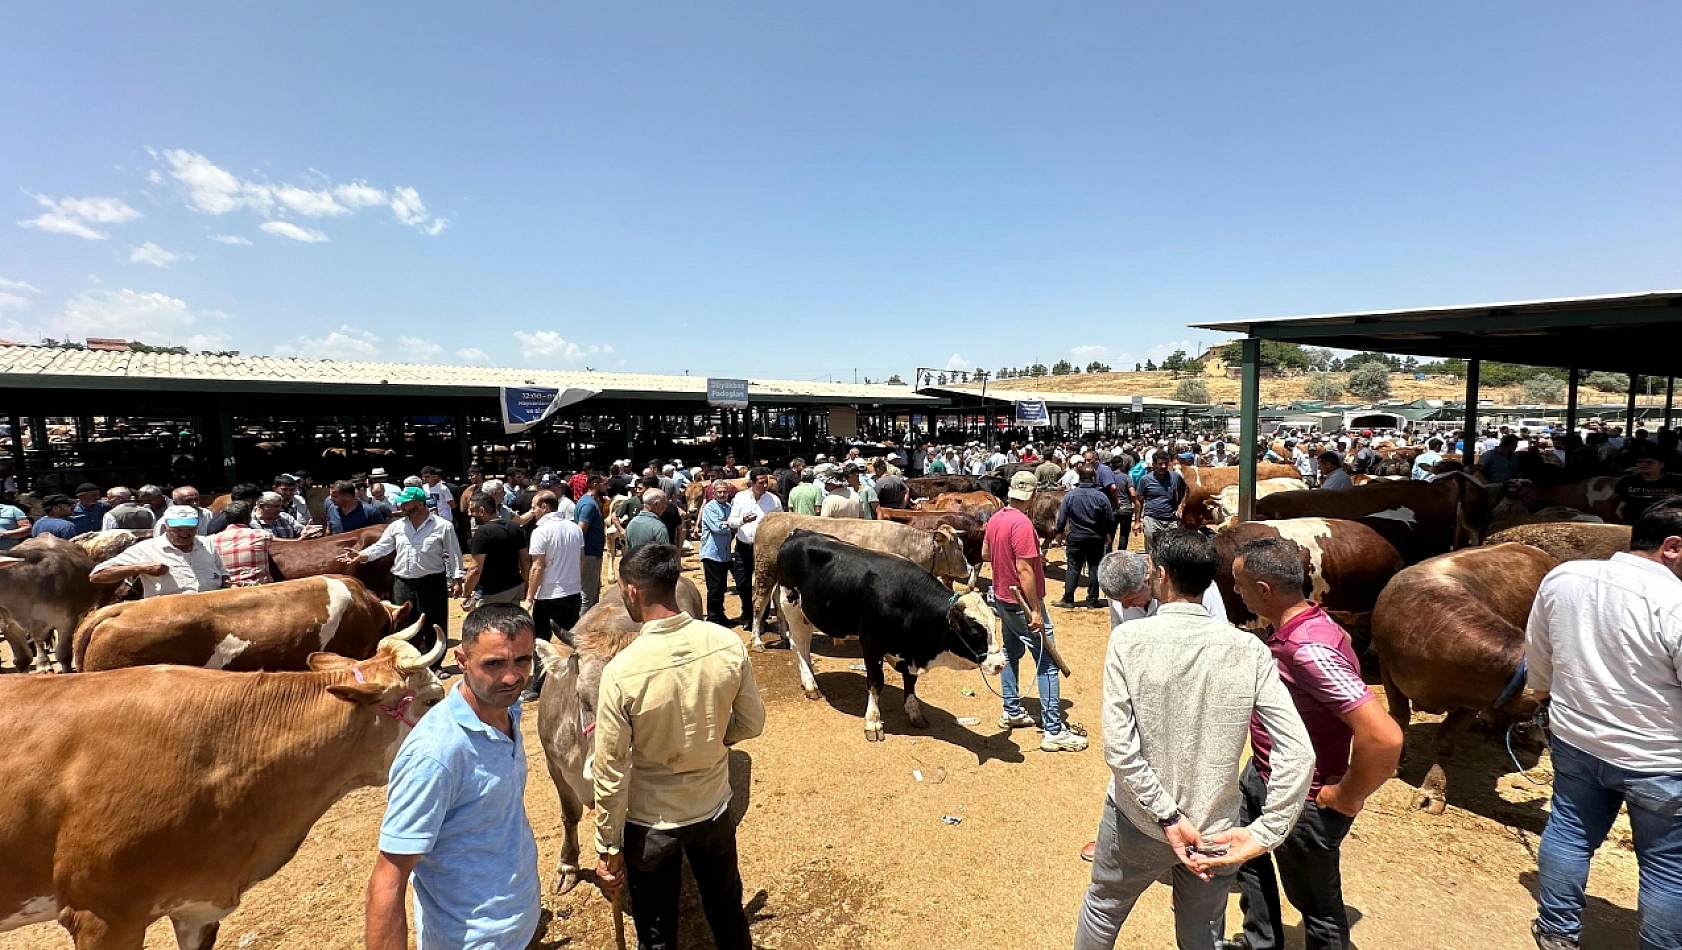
496 549
1650 483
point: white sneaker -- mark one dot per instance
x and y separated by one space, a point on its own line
1065 741
1018 721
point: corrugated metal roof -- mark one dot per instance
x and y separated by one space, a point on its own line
1062 399
17 363
1652 298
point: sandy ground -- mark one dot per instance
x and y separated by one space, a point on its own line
842 847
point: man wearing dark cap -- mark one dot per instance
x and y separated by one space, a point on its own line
56 509
1649 484
90 509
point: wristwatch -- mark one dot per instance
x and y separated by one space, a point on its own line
1171 820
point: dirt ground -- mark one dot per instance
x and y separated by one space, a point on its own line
842 847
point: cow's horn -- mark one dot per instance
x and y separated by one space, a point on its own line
428 658
408 634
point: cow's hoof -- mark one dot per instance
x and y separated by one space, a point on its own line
757 646
918 721
1433 792
811 692
873 733
566 880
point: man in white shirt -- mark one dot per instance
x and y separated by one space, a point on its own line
1604 646
555 584
745 511
427 571
181 561
444 500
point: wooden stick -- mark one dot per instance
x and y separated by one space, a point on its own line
619 916
1045 642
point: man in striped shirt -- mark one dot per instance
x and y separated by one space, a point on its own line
1356 748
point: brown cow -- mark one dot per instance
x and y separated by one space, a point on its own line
941 552
987 502
1449 633
1042 511
45 590
169 791
1204 485
316 556
1598 496
1345 565
933 486
272 627
1422 519
1568 541
566 711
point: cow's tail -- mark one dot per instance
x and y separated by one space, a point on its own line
84 631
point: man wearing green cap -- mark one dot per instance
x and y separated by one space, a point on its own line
427 571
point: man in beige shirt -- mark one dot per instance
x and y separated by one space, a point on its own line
839 500
670 705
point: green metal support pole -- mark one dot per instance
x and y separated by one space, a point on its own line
16 422
1629 408
1469 430
1249 407
464 440
1571 400
225 428
747 423
1669 401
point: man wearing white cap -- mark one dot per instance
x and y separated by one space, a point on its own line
179 561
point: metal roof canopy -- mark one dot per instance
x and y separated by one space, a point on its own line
1620 333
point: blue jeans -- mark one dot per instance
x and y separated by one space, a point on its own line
1587 793
1019 641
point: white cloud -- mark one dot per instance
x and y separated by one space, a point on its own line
19 285
345 343
231 239
473 355
1085 355
957 362
421 351
154 318
547 344
78 215
1162 351
215 190
13 301
150 253
287 229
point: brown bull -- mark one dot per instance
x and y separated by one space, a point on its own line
1204 486
1421 519
166 791
1598 496
566 712
985 501
1569 541
941 552
933 486
316 556
272 627
45 591
1042 511
1345 567
1449 633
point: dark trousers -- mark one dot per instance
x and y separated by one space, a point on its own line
654 873
563 612
717 577
1080 555
1308 870
741 567
1122 533
431 596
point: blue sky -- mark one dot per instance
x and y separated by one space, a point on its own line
802 190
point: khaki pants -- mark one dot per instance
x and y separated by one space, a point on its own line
592 576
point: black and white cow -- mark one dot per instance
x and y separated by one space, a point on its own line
898 610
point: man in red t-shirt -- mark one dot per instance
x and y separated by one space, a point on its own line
1012 546
1356 748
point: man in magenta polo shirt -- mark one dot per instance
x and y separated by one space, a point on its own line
1012 546
1356 748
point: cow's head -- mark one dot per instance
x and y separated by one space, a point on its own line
949 560
972 633
396 682
397 615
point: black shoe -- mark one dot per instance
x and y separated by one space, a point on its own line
1064 604
1093 605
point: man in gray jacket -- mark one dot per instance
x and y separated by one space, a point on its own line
1179 691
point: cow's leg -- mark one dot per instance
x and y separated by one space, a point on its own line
572 812
92 932
41 641
800 632
195 933
913 708
19 640
1433 792
873 705
64 648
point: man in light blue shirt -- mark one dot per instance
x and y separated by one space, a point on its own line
716 536
455 820
1425 463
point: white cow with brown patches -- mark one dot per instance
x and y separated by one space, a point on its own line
271 627
1345 567
167 791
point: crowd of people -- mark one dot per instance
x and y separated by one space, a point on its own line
1179 805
